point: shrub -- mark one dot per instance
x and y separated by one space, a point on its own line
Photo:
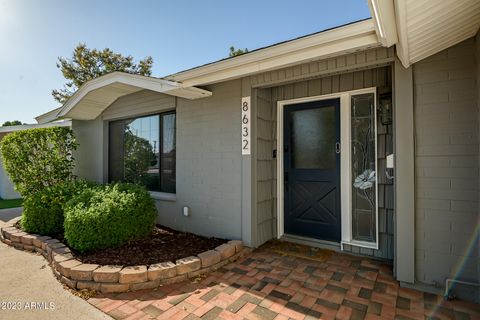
43 210
38 158
108 216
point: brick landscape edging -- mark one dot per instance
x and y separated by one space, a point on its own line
114 278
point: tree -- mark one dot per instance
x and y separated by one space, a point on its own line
139 157
87 64
11 123
236 52
38 158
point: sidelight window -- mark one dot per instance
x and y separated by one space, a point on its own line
363 168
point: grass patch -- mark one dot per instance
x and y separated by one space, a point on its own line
10 203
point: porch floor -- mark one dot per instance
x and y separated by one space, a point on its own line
288 282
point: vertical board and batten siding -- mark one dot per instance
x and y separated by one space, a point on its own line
266 140
265 172
446 165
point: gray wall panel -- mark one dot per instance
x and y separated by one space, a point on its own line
447 182
209 175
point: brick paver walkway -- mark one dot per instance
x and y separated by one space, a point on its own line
268 285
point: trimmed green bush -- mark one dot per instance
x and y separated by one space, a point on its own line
38 158
43 210
109 216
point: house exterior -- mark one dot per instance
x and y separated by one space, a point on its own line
7 189
362 138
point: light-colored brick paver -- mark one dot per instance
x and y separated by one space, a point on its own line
226 250
109 273
209 258
162 271
135 274
188 264
83 271
66 266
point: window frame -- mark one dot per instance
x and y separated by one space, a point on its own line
158 195
347 178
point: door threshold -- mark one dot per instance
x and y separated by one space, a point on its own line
323 244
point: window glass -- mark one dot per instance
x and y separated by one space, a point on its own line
363 162
137 148
313 138
168 153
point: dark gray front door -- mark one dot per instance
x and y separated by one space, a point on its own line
312 169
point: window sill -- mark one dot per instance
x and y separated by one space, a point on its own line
163 196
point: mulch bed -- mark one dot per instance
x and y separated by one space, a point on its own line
163 245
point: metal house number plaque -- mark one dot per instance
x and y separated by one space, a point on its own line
246 126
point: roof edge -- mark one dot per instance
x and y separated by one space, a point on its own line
284 51
383 15
48 116
132 80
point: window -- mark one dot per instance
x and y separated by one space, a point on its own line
363 168
142 150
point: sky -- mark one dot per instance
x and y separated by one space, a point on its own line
177 34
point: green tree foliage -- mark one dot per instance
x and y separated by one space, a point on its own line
108 216
236 52
38 158
11 123
43 210
87 64
139 156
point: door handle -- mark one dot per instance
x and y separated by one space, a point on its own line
337 148
285 180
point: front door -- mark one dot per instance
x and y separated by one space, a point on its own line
312 169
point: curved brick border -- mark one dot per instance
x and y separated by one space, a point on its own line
110 278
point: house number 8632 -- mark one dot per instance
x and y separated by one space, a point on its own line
245 125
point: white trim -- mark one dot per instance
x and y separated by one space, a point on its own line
345 167
402 31
133 82
346 184
383 15
48 116
334 42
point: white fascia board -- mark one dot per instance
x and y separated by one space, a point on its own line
48 116
402 32
138 81
383 15
333 42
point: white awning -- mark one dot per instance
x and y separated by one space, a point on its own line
98 94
